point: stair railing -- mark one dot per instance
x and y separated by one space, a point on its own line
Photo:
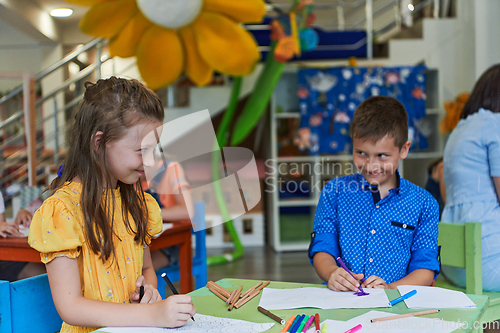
25 134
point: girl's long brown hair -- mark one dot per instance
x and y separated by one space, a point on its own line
110 106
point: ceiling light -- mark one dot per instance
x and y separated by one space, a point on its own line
61 12
411 7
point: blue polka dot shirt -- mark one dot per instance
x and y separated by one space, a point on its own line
389 238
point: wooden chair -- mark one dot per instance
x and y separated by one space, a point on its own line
27 306
461 247
199 259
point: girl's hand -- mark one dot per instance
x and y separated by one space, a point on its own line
176 310
9 229
341 280
375 282
151 294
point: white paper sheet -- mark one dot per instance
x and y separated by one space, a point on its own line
202 323
406 325
323 298
435 298
165 227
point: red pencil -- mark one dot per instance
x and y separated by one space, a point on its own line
316 322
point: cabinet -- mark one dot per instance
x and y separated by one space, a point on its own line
294 181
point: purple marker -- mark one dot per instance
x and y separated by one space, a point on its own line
361 291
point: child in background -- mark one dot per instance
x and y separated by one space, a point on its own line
382 226
435 183
93 232
6 228
16 270
472 175
167 188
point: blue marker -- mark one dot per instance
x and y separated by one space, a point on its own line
296 326
297 318
402 298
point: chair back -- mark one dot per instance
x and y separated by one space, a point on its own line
460 246
5 315
31 308
199 265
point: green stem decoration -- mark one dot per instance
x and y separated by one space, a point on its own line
252 112
216 154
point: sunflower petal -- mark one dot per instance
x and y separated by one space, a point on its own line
196 68
160 57
224 45
248 11
86 2
108 18
125 43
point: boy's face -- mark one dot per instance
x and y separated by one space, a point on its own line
378 161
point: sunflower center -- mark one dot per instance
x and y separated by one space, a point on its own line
170 13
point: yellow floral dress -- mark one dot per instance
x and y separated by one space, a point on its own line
57 229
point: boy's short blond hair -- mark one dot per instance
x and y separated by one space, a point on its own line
379 116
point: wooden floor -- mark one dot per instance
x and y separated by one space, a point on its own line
262 263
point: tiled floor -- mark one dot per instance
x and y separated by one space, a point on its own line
262 263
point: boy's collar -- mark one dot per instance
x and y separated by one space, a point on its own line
366 186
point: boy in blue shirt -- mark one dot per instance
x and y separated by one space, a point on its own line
382 226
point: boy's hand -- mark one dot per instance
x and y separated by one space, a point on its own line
374 282
151 294
175 311
341 280
23 217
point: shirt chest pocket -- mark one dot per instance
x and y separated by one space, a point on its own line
403 231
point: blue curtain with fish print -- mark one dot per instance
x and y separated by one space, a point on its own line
329 97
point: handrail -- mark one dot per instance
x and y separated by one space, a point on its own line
83 73
16 116
72 55
376 12
18 158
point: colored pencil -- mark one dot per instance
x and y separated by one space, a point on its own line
264 285
405 315
216 292
250 290
249 297
235 299
231 296
221 290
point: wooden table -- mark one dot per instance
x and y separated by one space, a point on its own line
17 249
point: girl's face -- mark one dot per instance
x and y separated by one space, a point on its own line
127 156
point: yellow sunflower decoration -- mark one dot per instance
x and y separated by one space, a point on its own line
170 37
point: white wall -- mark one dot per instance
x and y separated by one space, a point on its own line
447 45
487 34
49 56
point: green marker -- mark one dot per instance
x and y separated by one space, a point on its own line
302 323
324 329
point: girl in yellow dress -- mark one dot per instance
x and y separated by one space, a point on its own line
93 232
